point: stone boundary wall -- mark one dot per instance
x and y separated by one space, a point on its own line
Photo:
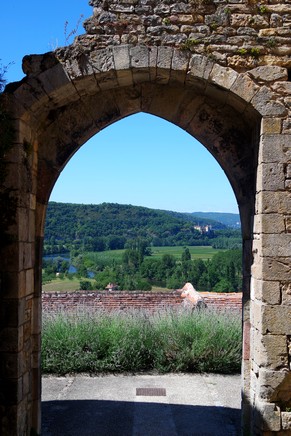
116 300
235 33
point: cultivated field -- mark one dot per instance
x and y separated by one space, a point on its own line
200 252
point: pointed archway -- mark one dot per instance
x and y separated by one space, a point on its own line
67 98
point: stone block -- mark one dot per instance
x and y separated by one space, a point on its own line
87 86
139 57
275 320
26 382
125 77
164 62
269 416
36 315
188 108
268 292
179 67
23 219
276 269
223 76
286 420
239 105
167 103
286 293
57 83
102 60
282 87
164 58
266 106
200 66
270 351
269 73
273 202
269 223
270 177
269 383
28 255
273 245
121 57
271 126
153 55
216 93
275 148
11 339
31 95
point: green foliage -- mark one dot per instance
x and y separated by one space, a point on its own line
263 9
242 51
166 21
85 285
253 51
186 256
172 341
79 228
213 25
189 44
271 42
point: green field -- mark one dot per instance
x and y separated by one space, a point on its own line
200 252
203 252
63 285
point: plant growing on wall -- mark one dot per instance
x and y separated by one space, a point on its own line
254 52
73 32
262 9
189 44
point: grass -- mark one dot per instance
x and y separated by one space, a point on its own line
169 341
64 285
199 252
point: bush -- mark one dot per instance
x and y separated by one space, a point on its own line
169 341
85 285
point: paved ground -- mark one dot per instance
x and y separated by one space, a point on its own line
183 405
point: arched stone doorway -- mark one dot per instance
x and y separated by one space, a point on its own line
68 97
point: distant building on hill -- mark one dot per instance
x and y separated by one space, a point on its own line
203 229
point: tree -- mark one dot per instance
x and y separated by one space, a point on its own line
85 285
186 255
222 286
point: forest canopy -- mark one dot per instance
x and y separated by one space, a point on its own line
110 226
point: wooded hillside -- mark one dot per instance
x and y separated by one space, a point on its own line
111 226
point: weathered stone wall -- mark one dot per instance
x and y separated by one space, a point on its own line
221 72
121 300
235 33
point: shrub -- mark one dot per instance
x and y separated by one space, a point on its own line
168 341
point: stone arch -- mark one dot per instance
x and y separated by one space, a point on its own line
69 96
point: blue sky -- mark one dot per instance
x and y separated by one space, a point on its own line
140 160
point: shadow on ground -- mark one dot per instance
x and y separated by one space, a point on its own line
121 418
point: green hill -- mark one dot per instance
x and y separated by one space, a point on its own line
110 226
228 219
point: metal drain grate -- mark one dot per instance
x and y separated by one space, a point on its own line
151 392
